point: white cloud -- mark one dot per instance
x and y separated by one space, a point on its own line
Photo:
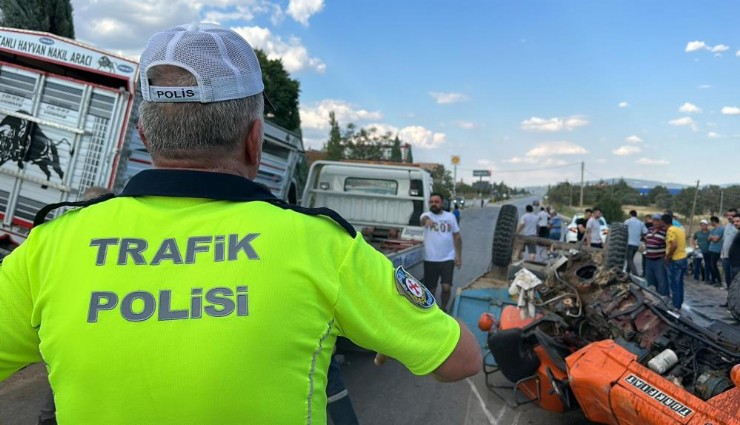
294 56
123 26
556 148
445 98
623 104
553 124
689 108
648 161
704 86
302 10
421 137
633 139
683 121
415 135
731 110
483 162
521 160
467 125
316 116
719 48
693 46
626 150
713 135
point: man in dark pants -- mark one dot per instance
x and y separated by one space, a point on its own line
442 247
728 237
635 231
656 273
339 404
734 252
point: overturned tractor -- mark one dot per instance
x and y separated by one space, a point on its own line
580 333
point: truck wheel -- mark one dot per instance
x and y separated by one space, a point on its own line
503 235
733 298
616 247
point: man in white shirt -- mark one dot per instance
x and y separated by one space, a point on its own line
442 247
727 238
543 222
635 231
593 230
528 227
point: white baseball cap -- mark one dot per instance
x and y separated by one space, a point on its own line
223 63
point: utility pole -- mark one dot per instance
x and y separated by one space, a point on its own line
580 203
693 209
721 201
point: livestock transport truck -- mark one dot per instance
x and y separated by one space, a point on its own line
65 109
383 201
68 114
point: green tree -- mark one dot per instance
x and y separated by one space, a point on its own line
684 200
442 181
409 156
366 143
610 207
396 150
54 16
658 192
334 147
282 91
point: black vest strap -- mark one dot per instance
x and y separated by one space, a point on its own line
317 212
43 212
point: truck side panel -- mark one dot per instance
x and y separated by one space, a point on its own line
57 137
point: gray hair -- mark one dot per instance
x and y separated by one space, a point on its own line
195 130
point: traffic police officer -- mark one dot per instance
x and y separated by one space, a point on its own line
196 296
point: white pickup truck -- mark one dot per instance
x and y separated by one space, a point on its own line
382 201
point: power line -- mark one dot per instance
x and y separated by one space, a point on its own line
522 170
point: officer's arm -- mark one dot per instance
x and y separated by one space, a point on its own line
18 338
464 361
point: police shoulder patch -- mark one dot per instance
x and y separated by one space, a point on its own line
410 287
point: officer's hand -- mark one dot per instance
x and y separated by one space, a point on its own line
380 359
458 261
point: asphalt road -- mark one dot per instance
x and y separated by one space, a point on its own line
391 395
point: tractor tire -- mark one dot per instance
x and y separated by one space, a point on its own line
733 297
503 235
616 247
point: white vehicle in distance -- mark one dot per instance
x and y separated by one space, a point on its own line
571 232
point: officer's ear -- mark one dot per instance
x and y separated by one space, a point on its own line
253 148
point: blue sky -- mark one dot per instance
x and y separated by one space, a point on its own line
528 89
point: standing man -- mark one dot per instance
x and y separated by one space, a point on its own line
700 241
456 213
528 227
734 251
593 230
581 224
556 225
716 235
675 258
635 231
543 223
182 292
729 236
655 269
442 247
648 220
